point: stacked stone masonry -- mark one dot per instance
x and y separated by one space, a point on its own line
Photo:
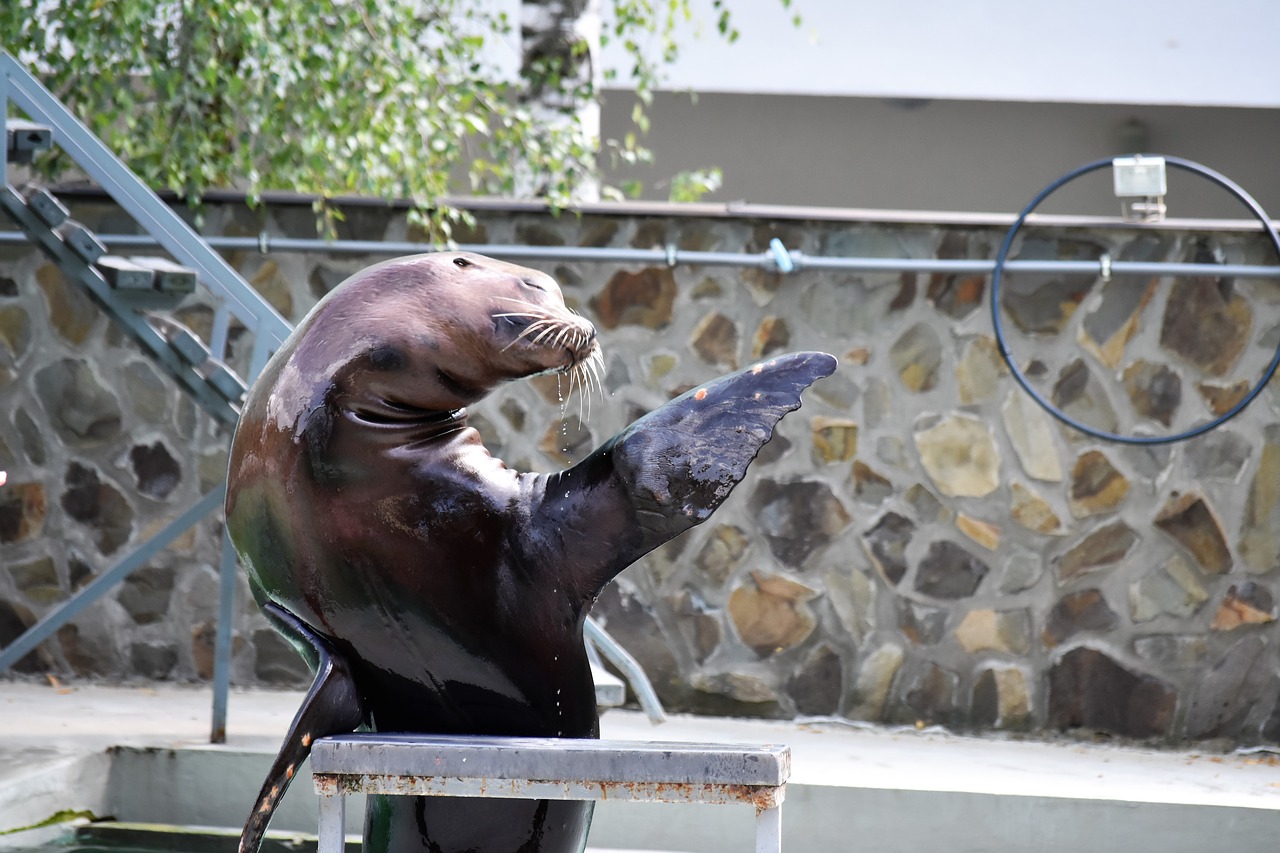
920 544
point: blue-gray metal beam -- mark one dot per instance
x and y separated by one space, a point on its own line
4 115
172 233
72 607
222 640
628 666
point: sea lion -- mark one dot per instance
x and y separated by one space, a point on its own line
431 588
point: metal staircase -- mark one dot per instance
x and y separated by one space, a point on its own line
138 293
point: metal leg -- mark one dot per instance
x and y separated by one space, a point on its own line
769 830
332 823
222 641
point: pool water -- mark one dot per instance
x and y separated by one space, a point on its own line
121 837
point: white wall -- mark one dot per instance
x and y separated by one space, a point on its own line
1224 53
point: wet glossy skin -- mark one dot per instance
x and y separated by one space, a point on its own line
454 588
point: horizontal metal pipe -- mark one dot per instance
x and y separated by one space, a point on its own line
672 256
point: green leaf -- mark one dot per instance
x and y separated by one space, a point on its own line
389 98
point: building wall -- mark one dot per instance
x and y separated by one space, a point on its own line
919 544
959 155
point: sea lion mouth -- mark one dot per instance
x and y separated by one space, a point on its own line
539 328
560 340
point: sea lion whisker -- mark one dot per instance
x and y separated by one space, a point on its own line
595 364
585 381
528 330
575 377
534 309
524 333
597 370
584 387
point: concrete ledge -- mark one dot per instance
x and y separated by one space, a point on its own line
39 785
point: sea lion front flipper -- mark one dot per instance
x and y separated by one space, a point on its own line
671 468
332 706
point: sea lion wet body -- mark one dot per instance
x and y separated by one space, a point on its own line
442 591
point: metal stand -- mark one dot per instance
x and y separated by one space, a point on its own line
549 769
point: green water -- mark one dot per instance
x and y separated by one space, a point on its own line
119 837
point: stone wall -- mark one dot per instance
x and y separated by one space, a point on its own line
920 543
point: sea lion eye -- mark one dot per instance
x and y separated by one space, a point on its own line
462 262
528 282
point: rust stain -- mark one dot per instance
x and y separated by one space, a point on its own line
760 796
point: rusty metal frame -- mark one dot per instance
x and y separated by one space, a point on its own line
549 769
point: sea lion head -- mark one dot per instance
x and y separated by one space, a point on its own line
437 332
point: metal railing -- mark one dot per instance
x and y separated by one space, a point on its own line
235 297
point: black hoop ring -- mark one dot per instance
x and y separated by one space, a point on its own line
1046 404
